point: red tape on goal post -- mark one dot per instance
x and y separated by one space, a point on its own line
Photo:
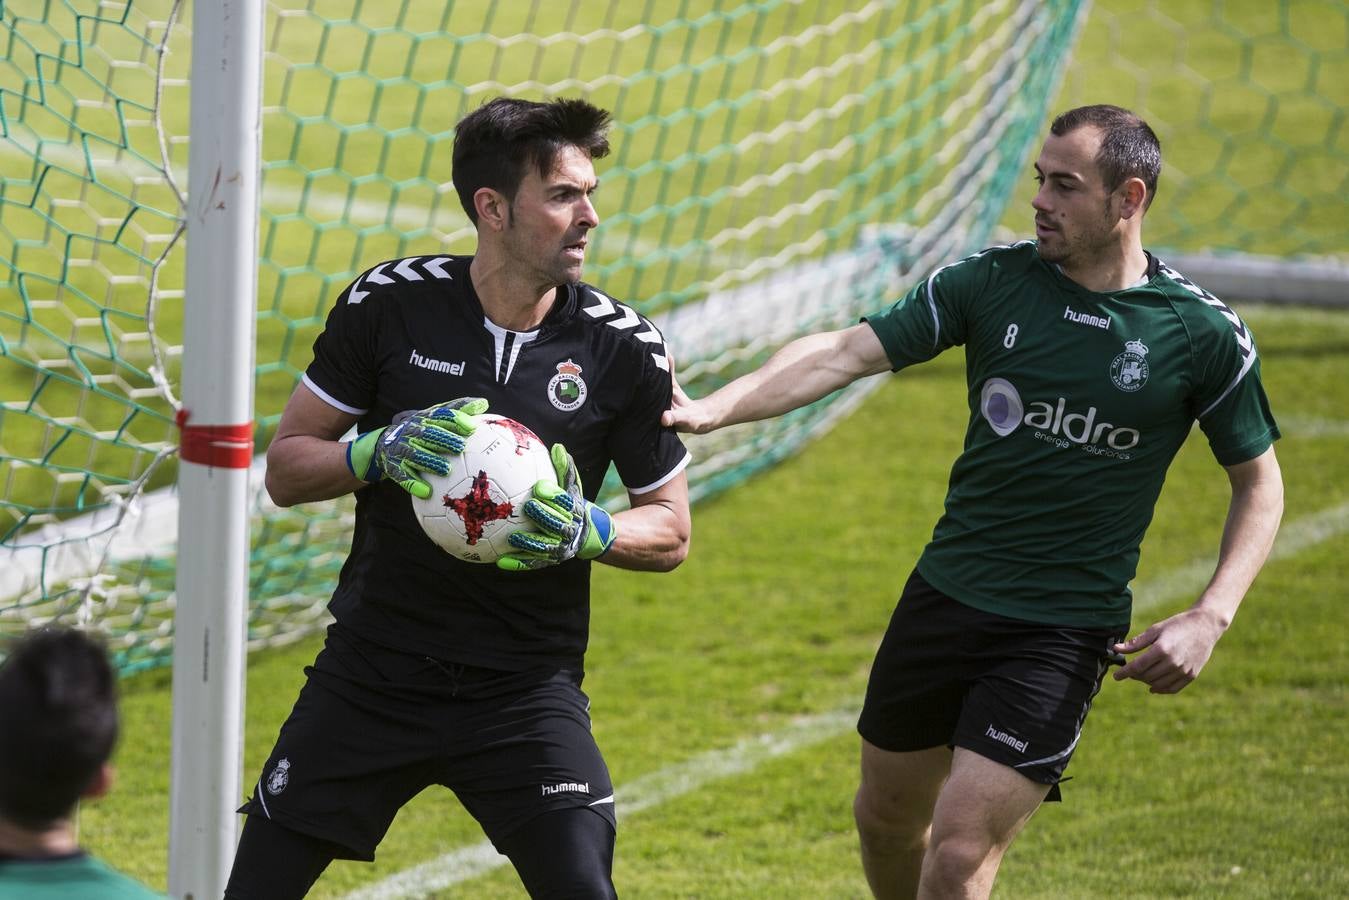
219 446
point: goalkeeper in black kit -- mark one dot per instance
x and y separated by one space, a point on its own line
438 671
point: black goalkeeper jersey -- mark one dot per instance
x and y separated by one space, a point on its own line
411 333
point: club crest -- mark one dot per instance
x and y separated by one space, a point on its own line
1129 370
280 777
566 390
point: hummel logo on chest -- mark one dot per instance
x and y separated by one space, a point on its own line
436 365
1073 315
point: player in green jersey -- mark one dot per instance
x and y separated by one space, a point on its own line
58 725
1087 362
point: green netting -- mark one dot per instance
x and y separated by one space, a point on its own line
778 167
1249 100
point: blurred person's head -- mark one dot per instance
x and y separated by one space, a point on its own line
58 726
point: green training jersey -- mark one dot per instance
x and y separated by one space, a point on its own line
1078 403
75 877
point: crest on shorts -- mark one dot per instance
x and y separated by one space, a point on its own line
280 777
566 390
1129 370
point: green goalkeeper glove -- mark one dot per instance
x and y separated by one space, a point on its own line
416 441
572 525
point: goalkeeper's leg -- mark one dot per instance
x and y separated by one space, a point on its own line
566 854
276 863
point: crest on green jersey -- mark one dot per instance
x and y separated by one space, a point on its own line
1129 370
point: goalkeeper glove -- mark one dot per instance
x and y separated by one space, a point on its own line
416 441
572 525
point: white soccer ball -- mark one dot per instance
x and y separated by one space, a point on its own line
472 510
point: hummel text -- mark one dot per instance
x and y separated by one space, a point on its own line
1073 315
566 787
436 365
1003 737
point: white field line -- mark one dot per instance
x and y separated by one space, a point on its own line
673 781
1191 578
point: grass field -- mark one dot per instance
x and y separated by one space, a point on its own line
1238 787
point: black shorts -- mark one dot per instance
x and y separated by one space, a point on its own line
373 727
1013 691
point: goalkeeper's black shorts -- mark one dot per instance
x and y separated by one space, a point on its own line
1013 691
373 727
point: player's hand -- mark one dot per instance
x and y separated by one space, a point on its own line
1174 650
416 441
684 412
571 525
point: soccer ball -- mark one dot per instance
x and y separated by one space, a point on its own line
472 510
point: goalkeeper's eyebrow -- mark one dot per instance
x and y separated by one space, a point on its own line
567 187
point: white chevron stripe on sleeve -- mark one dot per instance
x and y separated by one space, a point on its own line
604 306
405 269
629 319
377 275
436 266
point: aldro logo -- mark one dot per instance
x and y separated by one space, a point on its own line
1004 411
566 390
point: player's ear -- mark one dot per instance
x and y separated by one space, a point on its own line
494 210
101 783
1133 198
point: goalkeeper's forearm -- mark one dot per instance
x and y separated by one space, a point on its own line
800 373
653 533
302 468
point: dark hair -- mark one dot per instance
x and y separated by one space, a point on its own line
58 724
494 143
1129 148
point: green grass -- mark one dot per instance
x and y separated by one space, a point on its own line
1237 787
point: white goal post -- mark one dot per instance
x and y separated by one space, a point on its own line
216 450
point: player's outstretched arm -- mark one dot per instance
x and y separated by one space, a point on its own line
1174 650
801 372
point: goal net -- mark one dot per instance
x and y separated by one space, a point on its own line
779 167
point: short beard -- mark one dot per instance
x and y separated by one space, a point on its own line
1051 256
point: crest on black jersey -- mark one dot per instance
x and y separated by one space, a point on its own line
566 390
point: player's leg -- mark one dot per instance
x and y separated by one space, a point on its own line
1019 724
893 810
358 744
908 719
566 854
532 775
980 810
273 862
